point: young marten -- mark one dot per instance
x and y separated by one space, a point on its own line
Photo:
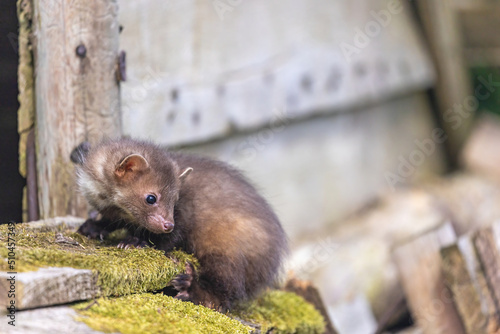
187 202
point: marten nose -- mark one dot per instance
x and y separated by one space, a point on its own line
168 227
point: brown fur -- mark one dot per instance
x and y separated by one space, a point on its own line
217 215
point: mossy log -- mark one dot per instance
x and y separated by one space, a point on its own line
54 265
84 268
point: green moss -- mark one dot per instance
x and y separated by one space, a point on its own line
149 313
118 271
126 272
283 312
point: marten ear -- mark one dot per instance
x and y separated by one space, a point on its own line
185 173
79 153
131 164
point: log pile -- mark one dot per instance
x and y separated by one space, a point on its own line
452 285
451 274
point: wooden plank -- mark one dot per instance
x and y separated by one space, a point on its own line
464 293
49 320
486 243
47 287
301 59
442 29
419 265
57 223
77 96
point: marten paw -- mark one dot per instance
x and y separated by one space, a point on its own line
129 242
182 283
92 229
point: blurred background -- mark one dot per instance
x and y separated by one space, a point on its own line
365 123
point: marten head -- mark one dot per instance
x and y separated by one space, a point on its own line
148 193
142 186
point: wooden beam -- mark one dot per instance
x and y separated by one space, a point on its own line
442 30
47 287
419 265
76 92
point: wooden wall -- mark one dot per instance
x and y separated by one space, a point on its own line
200 70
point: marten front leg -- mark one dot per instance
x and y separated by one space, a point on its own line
133 241
100 229
96 229
182 283
216 285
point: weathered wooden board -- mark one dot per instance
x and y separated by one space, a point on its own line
49 320
487 246
199 70
463 288
76 92
57 223
419 264
47 287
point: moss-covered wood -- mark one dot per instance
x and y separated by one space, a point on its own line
116 271
275 311
56 260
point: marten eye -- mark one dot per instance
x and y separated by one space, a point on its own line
151 199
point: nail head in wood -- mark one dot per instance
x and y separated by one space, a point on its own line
81 51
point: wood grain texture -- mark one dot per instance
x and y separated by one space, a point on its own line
419 265
48 320
262 63
77 98
463 289
48 286
486 243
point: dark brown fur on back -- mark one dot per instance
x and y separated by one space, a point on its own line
217 215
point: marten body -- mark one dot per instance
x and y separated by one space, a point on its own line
196 204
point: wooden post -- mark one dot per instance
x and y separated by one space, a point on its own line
441 25
76 92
